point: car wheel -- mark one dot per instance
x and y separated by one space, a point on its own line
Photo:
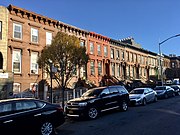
92 113
47 128
124 106
173 94
144 102
178 93
155 99
165 96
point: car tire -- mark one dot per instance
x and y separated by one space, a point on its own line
178 93
124 106
144 102
93 113
173 94
155 99
47 128
166 96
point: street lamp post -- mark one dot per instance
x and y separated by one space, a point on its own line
160 55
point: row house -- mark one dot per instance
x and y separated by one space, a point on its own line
130 62
99 64
24 35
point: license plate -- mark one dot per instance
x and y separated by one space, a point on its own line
70 111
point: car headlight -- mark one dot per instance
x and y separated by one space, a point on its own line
83 104
138 98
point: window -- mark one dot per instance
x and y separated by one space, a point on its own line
92 68
122 55
25 106
0 30
122 90
91 48
117 54
5 108
105 92
99 49
105 51
118 69
113 90
112 53
34 35
17 31
34 87
99 67
48 38
16 61
82 43
34 65
113 68
173 65
16 88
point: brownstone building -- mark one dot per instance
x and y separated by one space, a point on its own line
23 35
27 34
99 64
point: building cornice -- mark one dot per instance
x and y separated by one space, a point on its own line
99 36
44 20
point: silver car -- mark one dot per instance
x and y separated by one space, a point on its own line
141 96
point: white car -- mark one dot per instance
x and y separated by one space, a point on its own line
141 96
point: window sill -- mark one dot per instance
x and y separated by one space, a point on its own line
17 40
32 74
37 44
20 74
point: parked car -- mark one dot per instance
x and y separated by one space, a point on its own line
97 100
29 116
164 91
176 89
141 96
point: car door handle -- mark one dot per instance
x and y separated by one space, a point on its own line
37 114
8 121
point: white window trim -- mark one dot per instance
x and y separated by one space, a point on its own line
34 35
14 30
18 84
13 61
48 39
36 72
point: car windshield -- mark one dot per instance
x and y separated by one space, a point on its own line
140 91
160 88
92 92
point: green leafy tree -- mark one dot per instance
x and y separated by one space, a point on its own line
65 53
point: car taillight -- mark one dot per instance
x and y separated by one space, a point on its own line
60 109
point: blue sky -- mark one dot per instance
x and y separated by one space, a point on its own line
147 21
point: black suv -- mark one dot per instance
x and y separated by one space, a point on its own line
97 100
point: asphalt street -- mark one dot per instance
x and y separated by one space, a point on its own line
160 118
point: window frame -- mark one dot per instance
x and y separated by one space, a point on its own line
20 62
34 35
48 40
19 25
31 67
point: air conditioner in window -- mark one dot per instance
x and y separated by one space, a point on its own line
33 71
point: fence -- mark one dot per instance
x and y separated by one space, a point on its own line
68 94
